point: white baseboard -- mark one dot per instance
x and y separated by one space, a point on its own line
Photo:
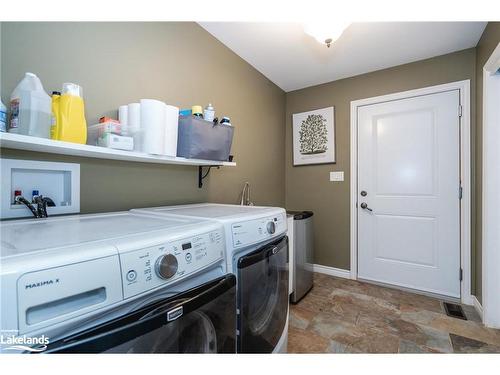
332 271
468 300
477 306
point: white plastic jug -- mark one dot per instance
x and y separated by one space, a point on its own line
3 117
30 108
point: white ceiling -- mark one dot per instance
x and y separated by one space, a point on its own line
294 60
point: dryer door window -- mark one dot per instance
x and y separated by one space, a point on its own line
201 320
263 297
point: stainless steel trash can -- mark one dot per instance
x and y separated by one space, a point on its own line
303 254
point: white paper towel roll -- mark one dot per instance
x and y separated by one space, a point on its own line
153 126
171 129
123 118
134 116
134 124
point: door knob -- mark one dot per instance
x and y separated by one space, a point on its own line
364 206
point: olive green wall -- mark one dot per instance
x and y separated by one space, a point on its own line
308 187
179 63
488 42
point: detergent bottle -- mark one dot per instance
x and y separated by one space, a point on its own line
30 112
70 124
54 130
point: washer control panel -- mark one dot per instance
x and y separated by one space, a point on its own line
249 232
165 263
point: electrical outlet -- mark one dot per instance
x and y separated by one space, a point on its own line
337 176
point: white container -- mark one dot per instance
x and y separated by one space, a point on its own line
3 117
30 108
116 141
94 132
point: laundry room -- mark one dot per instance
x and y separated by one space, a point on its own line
243 185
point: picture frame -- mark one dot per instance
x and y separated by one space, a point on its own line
314 137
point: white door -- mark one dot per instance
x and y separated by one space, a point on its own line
409 184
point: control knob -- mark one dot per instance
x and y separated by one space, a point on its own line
166 266
271 227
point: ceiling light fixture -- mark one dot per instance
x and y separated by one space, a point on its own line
326 33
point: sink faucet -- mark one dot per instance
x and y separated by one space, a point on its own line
245 195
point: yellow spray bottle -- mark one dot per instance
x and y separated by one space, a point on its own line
70 124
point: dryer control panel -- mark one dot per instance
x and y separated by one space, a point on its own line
253 231
166 263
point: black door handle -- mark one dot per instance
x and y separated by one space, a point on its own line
364 206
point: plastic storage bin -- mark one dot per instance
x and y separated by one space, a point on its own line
200 139
94 132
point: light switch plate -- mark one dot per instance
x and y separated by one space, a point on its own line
337 176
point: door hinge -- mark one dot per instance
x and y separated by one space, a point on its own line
460 192
461 274
460 110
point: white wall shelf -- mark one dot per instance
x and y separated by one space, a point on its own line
24 142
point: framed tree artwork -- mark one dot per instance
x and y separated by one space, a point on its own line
314 137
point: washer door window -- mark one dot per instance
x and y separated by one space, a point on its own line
263 297
201 320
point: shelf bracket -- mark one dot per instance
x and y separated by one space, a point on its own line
202 176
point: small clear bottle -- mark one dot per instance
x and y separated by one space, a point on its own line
209 112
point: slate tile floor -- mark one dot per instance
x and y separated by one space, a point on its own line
347 316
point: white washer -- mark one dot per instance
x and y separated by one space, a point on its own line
119 282
257 253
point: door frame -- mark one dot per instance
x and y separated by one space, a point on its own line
491 201
465 174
